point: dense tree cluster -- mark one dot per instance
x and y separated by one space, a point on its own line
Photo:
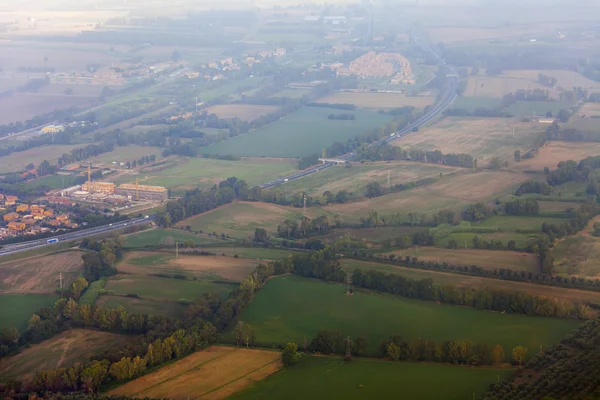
533 187
475 212
568 370
521 207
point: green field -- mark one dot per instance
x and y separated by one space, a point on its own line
18 308
164 289
465 239
167 237
190 173
515 223
17 161
307 131
577 255
292 308
142 306
539 108
331 378
474 282
470 103
291 93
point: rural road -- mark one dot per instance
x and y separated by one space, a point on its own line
445 99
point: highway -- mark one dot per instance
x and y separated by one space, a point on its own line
17 247
445 99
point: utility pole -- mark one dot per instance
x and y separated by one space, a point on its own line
513 132
196 104
348 346
389 185
176 250
60 279
304 205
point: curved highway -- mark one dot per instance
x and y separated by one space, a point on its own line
445 99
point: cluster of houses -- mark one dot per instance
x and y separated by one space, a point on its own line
19 219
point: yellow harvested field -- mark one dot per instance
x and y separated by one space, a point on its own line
63 350
224 266
378 100
478 187
40 274
214 373
554 152
487 86
482 138
246 112
566 79
488 259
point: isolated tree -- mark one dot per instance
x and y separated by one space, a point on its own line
239 333
260 235
497 354
495 163
175 56
249 335
290 354
517 155
519 354
78 286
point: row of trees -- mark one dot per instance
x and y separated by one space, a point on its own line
394 153
485 299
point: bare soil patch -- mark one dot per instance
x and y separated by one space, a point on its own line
63 350
40 274
246 112
213 373
378 100
554 152
227 267
478 187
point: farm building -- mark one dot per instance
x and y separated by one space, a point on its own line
53 129
143 192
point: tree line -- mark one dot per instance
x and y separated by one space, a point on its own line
394 153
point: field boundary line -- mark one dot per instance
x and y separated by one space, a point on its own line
183 372
237 379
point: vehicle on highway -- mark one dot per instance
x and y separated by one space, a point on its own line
53 240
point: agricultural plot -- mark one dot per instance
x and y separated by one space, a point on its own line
566 79
253 253
229 88
379 101
584 124
165 237
40 274
190 173
23 106
471 103
307 131
213 373
331 377
558 206
588 110
293 93
468 34
578 256
452 193
356 178
482 138
18 308
531 108
127 153
291 308
518 223
239 220
63 350
164 289
487 86
142 306
189 266
488 259
475 282
554 152
465 239
16 162
373 236
246 112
